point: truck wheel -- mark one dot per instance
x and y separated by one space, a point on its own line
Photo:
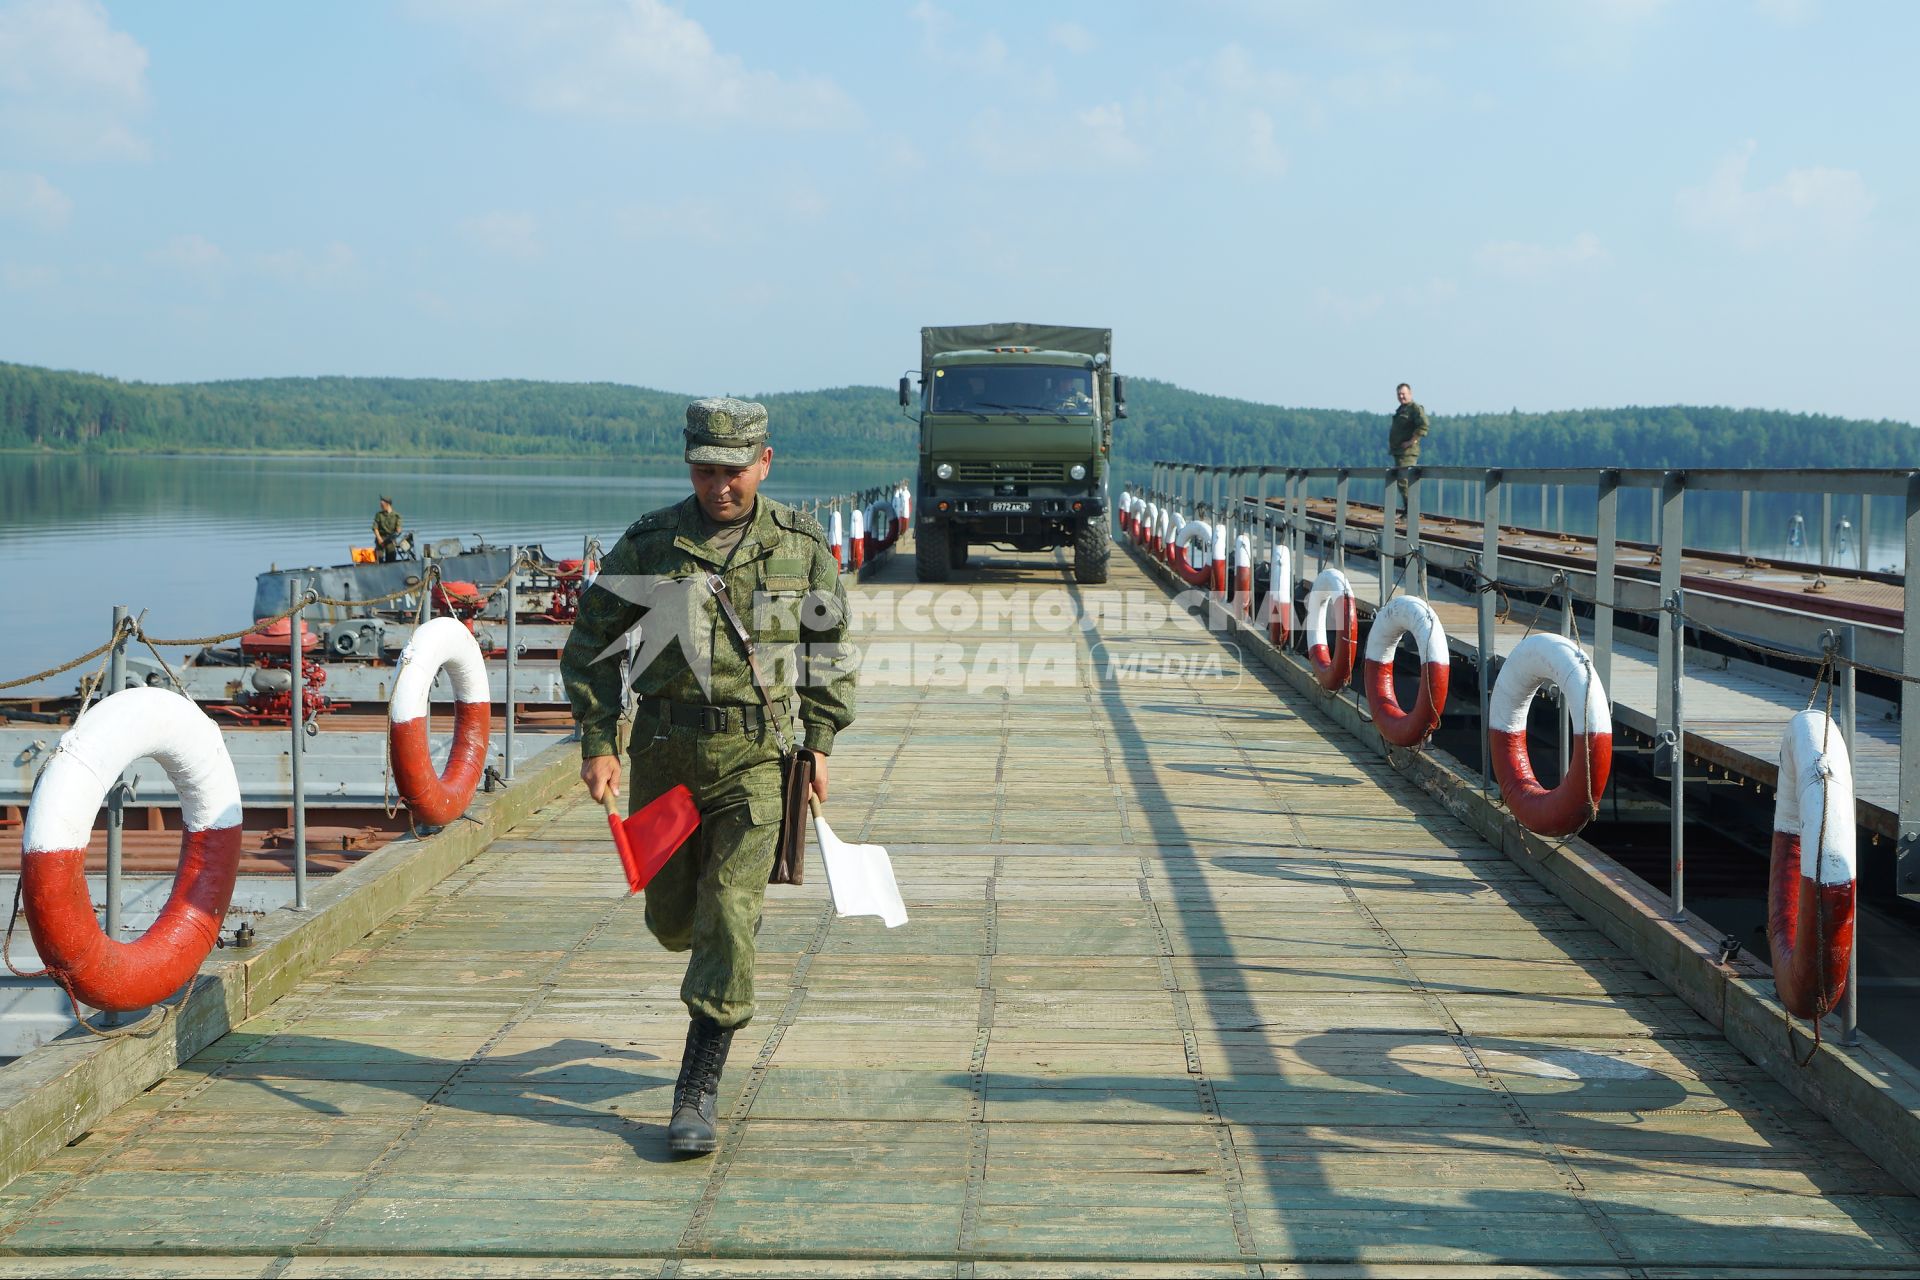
1090 548
933 552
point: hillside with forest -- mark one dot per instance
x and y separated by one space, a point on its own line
43 409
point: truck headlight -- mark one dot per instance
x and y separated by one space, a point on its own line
944 471
1077 471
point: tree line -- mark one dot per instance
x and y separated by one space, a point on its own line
424 417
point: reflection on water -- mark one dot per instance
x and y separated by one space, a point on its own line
184 537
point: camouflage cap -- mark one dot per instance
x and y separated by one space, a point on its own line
726 432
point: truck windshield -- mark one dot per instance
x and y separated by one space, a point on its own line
1013 388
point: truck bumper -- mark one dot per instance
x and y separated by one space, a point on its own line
970 510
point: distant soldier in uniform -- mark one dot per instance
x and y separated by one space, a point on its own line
386 532
777 569
1403 439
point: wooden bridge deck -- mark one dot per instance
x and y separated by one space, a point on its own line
1193 986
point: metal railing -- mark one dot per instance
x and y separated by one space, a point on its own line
1270 504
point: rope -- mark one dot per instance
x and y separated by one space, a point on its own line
80 661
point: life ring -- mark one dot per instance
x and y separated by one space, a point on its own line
1278 605
1332 662
880 522
1537 661
437 799
124 727
1812 883
1218 562
1407 616
1188 552
835 542
1243 575
857 538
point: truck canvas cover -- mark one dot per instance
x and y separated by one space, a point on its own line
935 339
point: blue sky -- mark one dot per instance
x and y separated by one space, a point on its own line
1524 204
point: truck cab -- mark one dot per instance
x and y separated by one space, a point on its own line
1015 431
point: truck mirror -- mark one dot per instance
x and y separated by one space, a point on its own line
1119 396
906 392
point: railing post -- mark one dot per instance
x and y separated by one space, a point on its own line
1387 550
1826 530
1417 559
1340 521
1670 502
297 721
1296 523
1863 560
1560 508
1677 795
1489 572
117 793
1566 705
1907 854
1842 640
513 642
1606 540
1746 521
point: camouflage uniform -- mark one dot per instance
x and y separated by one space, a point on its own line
786 588
386 532
1403 441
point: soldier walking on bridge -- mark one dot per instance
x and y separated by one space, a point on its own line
1403 438
700 720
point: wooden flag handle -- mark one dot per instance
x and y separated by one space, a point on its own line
813 802
606 799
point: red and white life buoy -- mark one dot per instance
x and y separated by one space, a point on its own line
1190 551
835 541
1407 616
438 798
1278 606
1332 661
1812 884
1243 575
1536 662
1217 562
880 528
857 538
128 726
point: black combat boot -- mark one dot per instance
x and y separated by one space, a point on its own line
694 1094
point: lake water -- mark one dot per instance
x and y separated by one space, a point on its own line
183 538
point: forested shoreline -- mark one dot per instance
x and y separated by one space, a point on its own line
44 409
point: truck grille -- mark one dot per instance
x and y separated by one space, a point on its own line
1010 472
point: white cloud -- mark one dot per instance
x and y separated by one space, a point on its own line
332 266
1056 143
630 60
1071 36
1827 205
29 278
1347 309
191 252
1264 153
939 40
510 235
31 198
69 81
1534 263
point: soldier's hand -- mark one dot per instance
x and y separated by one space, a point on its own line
820 777
602 776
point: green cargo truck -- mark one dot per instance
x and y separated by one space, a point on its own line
1016 427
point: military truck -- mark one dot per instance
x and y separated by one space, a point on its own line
1016 428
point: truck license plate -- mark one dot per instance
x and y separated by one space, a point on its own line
1012 508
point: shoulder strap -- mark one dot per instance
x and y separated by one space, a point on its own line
717 586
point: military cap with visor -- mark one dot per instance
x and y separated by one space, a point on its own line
725 432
